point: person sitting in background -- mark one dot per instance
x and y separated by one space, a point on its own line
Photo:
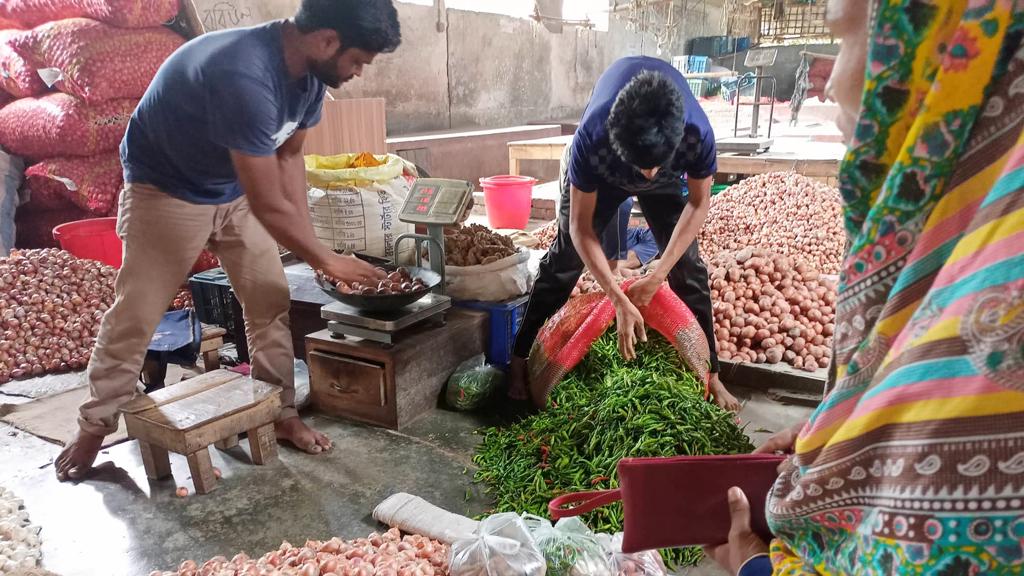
914 461
628 248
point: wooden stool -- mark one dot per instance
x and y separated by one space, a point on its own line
213 408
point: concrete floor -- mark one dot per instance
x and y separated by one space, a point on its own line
120 523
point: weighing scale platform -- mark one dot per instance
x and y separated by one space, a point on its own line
382 327
743 145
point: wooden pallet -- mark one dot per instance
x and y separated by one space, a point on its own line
213 408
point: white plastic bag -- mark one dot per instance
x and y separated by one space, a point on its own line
501 547
569 547
356 209
507 278
648 563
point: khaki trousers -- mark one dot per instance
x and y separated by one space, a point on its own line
162 238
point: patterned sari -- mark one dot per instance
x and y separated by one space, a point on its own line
914 463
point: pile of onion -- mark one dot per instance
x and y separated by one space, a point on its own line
768 310
51 304
782 212
387 554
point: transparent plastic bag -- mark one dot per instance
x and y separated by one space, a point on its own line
473 383
647 563
502 546
569 547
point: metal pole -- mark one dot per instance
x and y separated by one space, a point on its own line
757 101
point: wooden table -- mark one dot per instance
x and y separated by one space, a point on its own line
812 159
213 408
539 149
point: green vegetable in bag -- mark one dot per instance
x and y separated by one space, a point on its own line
473 383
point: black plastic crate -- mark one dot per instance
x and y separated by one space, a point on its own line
214 300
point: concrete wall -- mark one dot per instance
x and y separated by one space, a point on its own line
482 69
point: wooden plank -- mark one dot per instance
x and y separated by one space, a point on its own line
201 467
768 376
155 460
263 445
350 125
763 163
187 388
210 332
210 405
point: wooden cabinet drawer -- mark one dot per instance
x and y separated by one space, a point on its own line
346 383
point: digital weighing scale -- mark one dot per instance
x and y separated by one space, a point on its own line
753 143
434 203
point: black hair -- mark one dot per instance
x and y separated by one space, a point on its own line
645 125
370 25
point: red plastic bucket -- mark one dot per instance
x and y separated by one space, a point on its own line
93 239
508 200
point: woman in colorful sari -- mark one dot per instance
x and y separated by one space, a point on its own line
914 461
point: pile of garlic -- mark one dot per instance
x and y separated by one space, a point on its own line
19 541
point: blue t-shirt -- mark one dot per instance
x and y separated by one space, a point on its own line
594 163
222 91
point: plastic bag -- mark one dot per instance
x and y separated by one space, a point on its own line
356 208
502 546
95 61
473 383
569 547
507 278
647 563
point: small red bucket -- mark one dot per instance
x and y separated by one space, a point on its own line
93 239
509 200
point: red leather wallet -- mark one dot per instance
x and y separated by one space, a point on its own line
680 501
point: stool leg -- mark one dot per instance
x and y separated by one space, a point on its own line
263 444
211 360
227 443
201 467
155 460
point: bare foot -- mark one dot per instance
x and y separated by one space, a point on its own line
294 431
722 396
75 460
517 379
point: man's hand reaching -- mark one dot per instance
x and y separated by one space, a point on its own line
350 270
630 325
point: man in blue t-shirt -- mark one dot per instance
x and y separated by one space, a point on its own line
213 156
642 133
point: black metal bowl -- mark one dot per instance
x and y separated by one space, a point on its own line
386 302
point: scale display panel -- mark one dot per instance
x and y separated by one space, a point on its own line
436 201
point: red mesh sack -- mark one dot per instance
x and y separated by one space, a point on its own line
566 338
18 77
92 184
95 61
34 229
122 13
62 125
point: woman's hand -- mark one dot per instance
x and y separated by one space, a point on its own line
743 544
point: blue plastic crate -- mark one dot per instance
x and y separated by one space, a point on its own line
505 318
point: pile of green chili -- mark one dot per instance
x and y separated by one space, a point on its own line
605 410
